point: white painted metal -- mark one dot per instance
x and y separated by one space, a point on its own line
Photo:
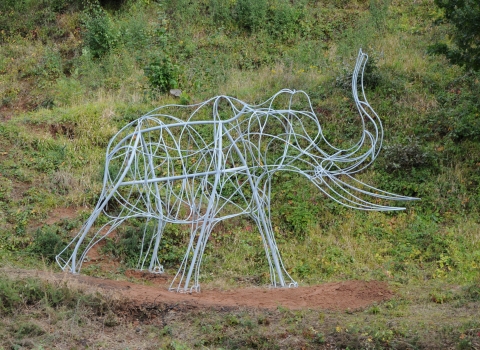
215 160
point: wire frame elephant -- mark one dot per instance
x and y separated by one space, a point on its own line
200 164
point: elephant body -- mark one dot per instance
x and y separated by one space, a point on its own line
215 160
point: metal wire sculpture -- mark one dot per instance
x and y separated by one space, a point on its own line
215 161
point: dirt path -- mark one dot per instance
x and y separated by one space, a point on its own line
335 296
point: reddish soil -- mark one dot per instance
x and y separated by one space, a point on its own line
339 296
348 295
59 214
151 289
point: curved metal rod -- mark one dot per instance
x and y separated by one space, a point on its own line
200 164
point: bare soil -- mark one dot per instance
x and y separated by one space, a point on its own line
59 214
152 289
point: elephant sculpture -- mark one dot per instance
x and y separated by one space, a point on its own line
215 160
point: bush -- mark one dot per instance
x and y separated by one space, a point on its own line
284 22
162 74
250 14
464 15
405 156
99 35
48 242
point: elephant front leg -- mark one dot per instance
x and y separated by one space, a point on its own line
76 249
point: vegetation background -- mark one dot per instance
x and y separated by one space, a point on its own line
73 72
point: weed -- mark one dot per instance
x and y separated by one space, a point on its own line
441 297
406 156
472 292
49 241
284 20
379 12
28 330
374 310
17 294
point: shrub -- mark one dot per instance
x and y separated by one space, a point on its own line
250 14
371 78
162 74
220 11
284 21
48 242
99 35
464 15
405 156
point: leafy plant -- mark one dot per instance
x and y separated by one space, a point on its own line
49 241
405 156
162 73
250 14
99 35
464 15
284 20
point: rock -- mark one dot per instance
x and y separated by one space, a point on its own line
176 92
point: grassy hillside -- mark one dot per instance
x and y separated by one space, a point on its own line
72 73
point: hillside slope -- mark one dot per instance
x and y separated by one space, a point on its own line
73 73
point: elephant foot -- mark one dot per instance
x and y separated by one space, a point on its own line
292 284
193 289
156 269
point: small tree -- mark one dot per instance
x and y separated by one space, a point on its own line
464 15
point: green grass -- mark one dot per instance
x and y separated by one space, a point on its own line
62 97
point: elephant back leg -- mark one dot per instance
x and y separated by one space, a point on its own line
278 274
